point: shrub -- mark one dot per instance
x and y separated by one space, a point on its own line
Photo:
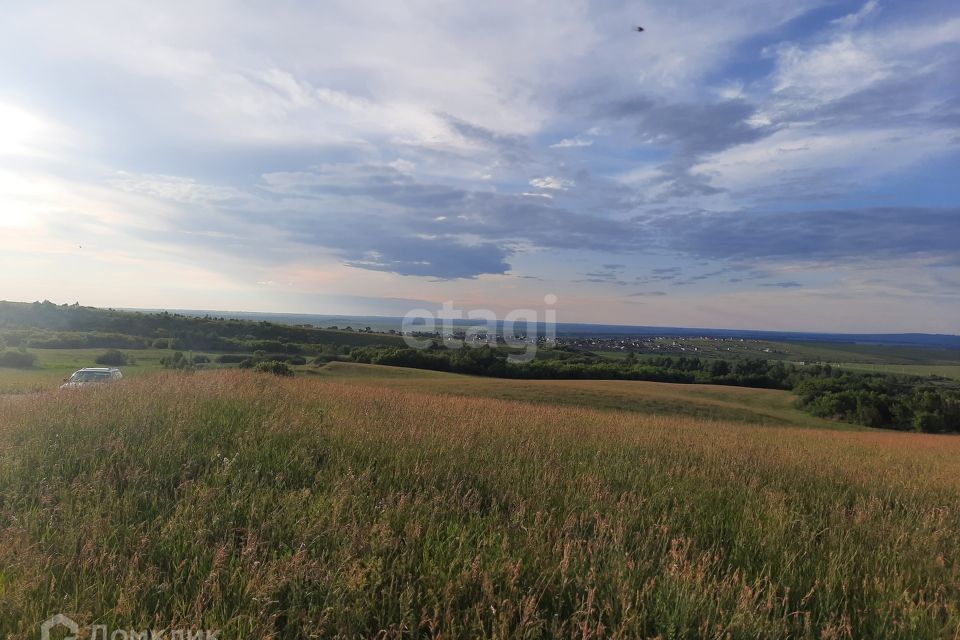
927 422
176 361
232 358
17 359
274 367
112 358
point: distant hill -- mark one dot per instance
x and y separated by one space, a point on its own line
47 325
575 329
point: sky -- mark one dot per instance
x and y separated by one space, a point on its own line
741 164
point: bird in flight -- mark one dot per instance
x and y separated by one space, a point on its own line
638 28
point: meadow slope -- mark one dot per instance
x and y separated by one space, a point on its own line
310 507
703 401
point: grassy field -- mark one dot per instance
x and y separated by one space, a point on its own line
53 365
326 507
914 360
713 402
755 406
942 370
872 354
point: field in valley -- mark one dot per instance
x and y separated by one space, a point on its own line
53 365
942 370
710 402
755 406
913 361
366 502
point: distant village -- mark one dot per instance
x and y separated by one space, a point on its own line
690 346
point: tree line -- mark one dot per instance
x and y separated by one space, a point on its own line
44 325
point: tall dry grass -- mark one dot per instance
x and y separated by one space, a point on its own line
299 508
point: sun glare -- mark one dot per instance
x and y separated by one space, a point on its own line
20 131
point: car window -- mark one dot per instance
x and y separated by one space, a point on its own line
89 376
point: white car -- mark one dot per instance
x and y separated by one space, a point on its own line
92 375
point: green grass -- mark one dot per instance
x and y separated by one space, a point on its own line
873 354
942 370
313 507
53 365
810 352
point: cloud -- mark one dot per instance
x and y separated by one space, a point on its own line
435 257
829 71
853 19
553 183
378 218
760 137
686 132
863 103
840 80
691 128
833 235
176 188
788 284
572 143
511 148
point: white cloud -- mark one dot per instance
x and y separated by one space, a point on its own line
830 71
574 142
851 62
731 91
345 72
797 153
552 182
176 188
853 19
